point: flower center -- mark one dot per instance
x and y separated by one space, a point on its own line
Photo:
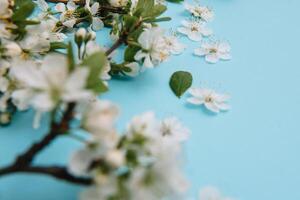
194 28
208 99
213 50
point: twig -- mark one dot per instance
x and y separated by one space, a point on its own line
54 171
23 162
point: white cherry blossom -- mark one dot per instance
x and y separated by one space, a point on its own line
173 45
67 16
171 128
153 51
203 12
209 98
97 23
214 51
49 83
194 30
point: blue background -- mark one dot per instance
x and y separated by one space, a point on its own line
250 152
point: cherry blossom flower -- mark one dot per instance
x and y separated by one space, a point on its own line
209 98
173 45
97 23
44 86
194 30
153 51
203 12
171 128
67 16
214 51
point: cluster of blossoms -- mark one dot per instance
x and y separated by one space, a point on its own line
196 29
143 163
213 50
26 38
40 70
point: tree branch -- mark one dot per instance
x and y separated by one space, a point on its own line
23 161
54 171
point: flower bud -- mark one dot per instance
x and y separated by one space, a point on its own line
80 36
5 118
91 35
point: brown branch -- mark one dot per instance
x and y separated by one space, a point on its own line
23 161
26 158
54 171
118 43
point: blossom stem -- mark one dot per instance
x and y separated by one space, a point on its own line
118 43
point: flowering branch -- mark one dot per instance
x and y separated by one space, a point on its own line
23 162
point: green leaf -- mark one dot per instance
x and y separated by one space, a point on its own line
24 9
180 82
130 53
96 63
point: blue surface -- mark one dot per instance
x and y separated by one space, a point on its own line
250 152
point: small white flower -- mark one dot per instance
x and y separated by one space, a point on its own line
99 117
145 123
97 23
67 13
173 45
211 193
202 12
153 51
195 30
49 83
171 128
209 98
43 5
214 51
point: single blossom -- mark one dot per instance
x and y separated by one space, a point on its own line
97 23
194 30
203 12
153 50
171 128
173 45
43 87
209 98
214 51
67 17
